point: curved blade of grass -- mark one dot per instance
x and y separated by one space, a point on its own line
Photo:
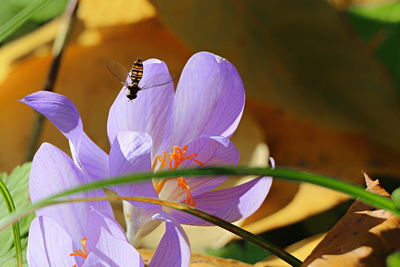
328 182
293 175
16 233
332 183
21 17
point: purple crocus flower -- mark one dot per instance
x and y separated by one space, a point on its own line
165 130
84 233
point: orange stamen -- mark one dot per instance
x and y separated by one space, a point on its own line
84 254
184 185
172 161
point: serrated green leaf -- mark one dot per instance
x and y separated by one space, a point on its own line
18 185
6 241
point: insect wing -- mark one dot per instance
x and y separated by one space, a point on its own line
118 71
160 80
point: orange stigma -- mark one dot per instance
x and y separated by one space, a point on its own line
172 161
84 254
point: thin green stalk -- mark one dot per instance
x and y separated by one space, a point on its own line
282 254
11 208
21 17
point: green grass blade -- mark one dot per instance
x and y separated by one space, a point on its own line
332 183
328 182
299 176
21 17
11 208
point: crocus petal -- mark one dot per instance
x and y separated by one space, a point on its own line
209 99
113 252
98 220
53 172
64 115
229 204
139 222
49 244
174 248
130 153
150 112
211 151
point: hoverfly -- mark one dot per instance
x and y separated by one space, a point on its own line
135 76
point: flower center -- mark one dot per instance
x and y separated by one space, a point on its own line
84 254
172 161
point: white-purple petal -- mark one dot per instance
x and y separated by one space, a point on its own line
64 115
130 153
53 172
174 247
209 99
98 220
49 244
139 222
150 112
113 252
230 204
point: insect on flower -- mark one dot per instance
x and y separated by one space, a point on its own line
134 78
163 130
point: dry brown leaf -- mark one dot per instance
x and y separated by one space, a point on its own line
363 237
198 260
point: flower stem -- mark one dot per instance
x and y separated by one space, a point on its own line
16 233
57 51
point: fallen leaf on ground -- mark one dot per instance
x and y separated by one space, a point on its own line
365 236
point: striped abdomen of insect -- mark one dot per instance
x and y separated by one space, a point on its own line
136 72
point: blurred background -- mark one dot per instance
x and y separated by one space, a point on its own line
322 80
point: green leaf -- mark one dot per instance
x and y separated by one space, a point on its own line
245 252
21 17
396 198
386 13
53 9
393 260
17 183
